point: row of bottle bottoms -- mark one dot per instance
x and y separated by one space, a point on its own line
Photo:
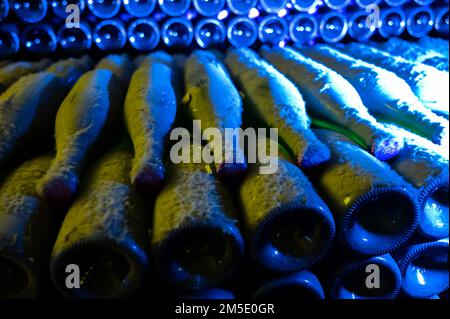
35 11
372 187
180 32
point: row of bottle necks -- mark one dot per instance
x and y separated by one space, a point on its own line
145 34
37 10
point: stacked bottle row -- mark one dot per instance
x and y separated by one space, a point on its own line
353 188
209 24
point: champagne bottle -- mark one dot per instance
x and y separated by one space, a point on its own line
174 8
414 52
9 40
205 77
425 166
385 95
393 22
4 9
333 27
276 103
303 285
424 268
303 28
150 112
104 9
209 294
441 23
29 11
305 5
177 33
208 8
422 79
419 21
140 8
337 4
289 226
209 33
272 30
110 35
375 209
75 40
27 110
435 44
144 34
351 280
272 6
14 71
104 233
27 229
59 7
241 7
89 112
339 102
39 39
358 29
242 32
196 239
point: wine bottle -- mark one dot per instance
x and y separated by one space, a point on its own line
89 112
110 35
208 8
305 5
425 166
104 233
150 111
272 30
59 7
393 22
177 33
367 3
435 44
27 109
119 65
395 3
143 34
358 28
241 7
9 40
27 229
242 32
39 39
339 103
337 4
4 9
139 8
303 285
209 294
288 225
422 79
333 27
376 210
174 8
274 101
70 70
104 9
424 268
303 28
350 281
384 94
75 40
196 239
272 6
29 11
414 52
14 71
419 21
209 33
441 23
